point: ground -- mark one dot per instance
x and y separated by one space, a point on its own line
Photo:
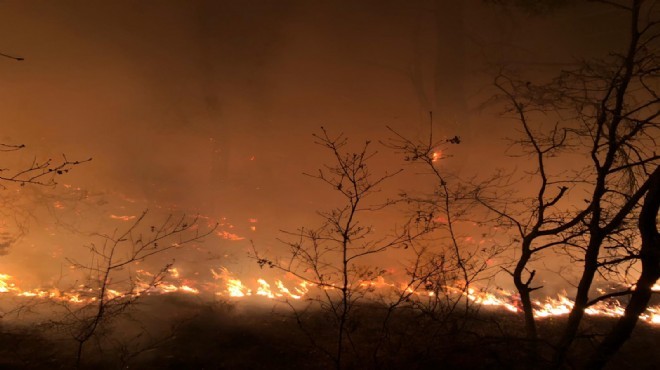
180 332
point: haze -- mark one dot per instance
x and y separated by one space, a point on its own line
207 107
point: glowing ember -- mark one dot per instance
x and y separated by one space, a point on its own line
229 236
111 294
187 289
122 218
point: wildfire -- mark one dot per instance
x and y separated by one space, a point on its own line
555 307
489 299
549 307
228 285
235 288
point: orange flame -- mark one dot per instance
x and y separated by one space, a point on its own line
234 288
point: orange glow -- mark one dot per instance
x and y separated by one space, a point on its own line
229 236
264 289
122 218
5 285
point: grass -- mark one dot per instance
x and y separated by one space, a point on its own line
179 332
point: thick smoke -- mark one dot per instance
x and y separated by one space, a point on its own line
206 108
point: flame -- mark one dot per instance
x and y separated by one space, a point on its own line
229 286
489 299
548 307
5 285
235 288
555 307
652 315
264 289
83 294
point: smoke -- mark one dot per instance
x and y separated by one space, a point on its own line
207 108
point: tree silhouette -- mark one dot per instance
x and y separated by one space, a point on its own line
330 256
591 134
110 275
38 172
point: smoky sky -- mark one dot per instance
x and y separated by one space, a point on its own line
208 106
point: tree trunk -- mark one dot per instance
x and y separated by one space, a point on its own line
525 297
598 233
581 300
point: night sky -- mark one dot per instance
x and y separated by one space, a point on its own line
207 107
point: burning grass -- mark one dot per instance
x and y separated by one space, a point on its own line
261 323
226 286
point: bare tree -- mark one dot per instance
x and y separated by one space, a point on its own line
545 226
649 254
622 133
592 134
19 206
38 172
112 284
330 256
447 266
18 59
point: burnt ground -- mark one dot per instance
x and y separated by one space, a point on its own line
179 332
